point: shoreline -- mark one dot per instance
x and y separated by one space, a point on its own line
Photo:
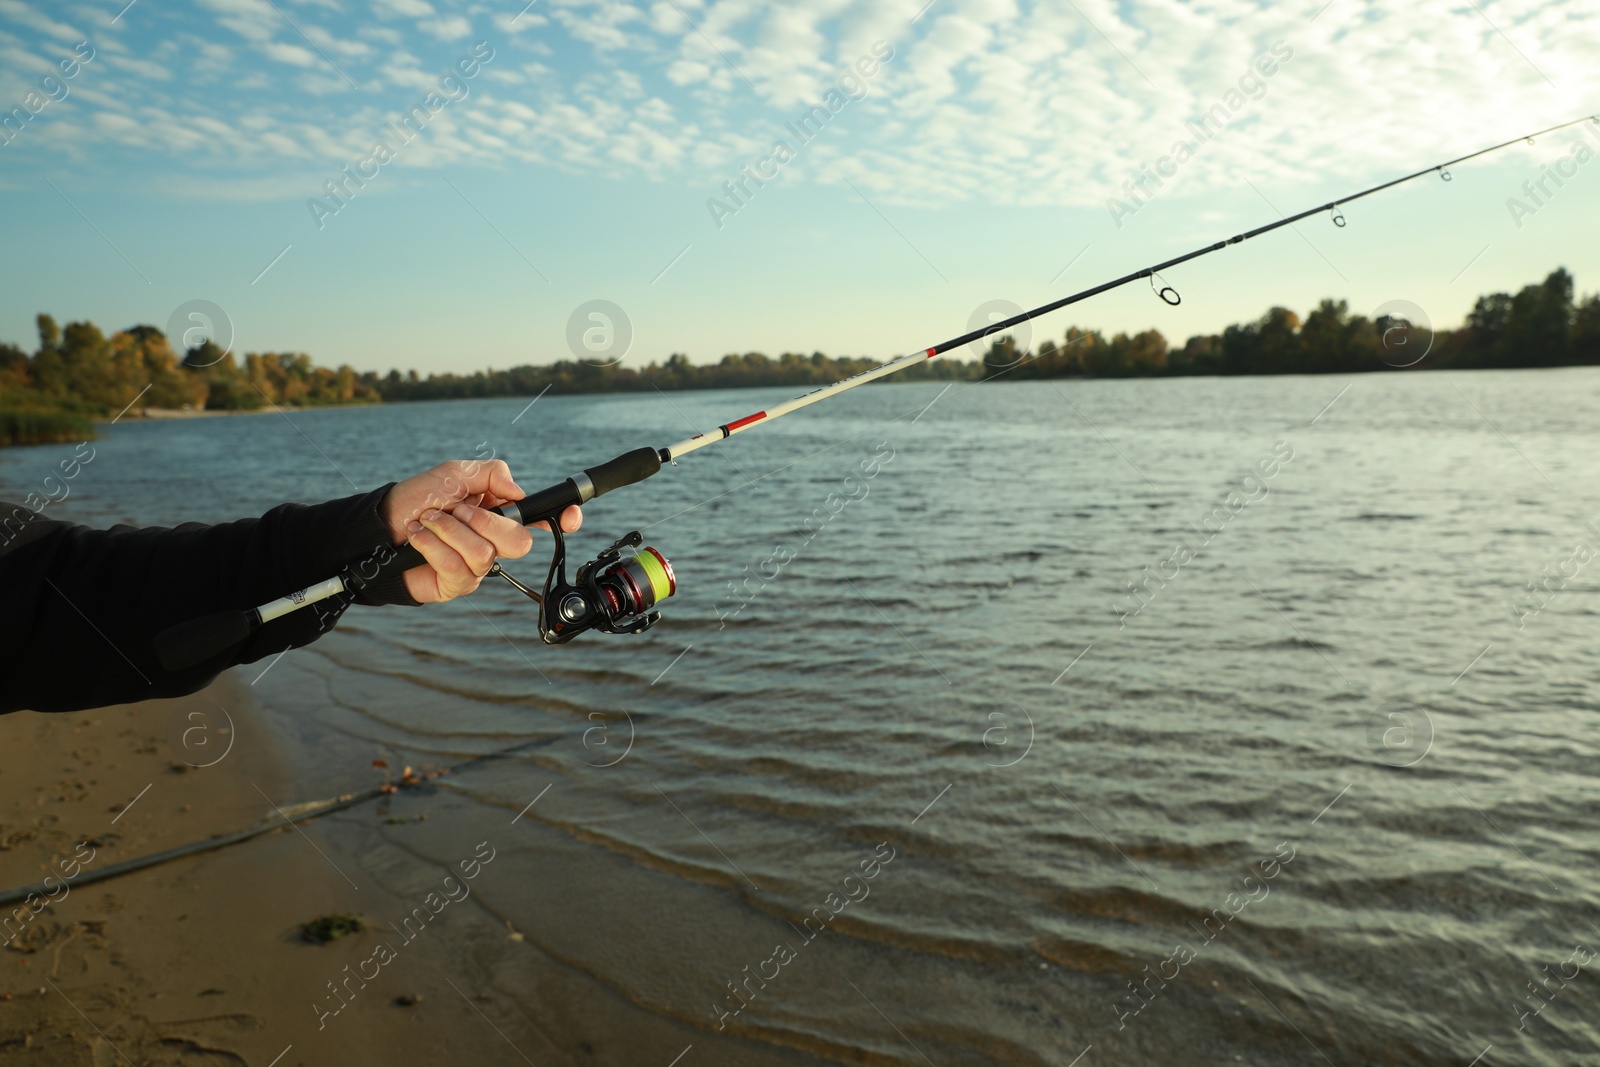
178 414
199 956
186 413
547 995
201 959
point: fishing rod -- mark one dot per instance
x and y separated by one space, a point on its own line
614 593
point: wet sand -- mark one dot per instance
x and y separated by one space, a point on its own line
201 960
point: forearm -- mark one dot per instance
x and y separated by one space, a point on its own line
82 605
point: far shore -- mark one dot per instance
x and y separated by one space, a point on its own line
182 413
200 413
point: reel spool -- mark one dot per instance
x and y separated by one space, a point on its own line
634 584
612 593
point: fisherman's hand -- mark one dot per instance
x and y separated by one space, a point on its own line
444 514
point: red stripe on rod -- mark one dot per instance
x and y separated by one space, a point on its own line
746 421
933 352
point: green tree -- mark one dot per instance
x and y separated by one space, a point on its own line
49 370
1586 331
1538 332
1269 345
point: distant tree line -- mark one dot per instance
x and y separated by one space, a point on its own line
1544 325
731 372
78 374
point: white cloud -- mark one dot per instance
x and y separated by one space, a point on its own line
123 66
688 72
415 9
334 44
604 24
521 20
19 60
450 28
1004 101
213 53
290 53
253 20
19 12
322 82
405 69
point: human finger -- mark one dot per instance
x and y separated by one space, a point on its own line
475 550
571 519
447 575
510 538
492 478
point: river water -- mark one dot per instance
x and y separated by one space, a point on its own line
1147 722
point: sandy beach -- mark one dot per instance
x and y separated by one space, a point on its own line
196 961
202 960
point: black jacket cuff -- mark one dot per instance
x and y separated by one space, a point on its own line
323 539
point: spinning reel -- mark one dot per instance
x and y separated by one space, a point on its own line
613 592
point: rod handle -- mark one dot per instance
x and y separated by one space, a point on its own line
405 557
626 469
547 503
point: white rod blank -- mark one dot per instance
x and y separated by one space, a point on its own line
700 440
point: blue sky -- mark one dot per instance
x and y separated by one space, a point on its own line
577 160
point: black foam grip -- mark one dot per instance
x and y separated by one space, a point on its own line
626 469
191 643
531 509
547 502
405 557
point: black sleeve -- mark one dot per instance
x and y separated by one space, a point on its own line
79 607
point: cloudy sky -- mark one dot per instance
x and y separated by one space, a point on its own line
574 150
